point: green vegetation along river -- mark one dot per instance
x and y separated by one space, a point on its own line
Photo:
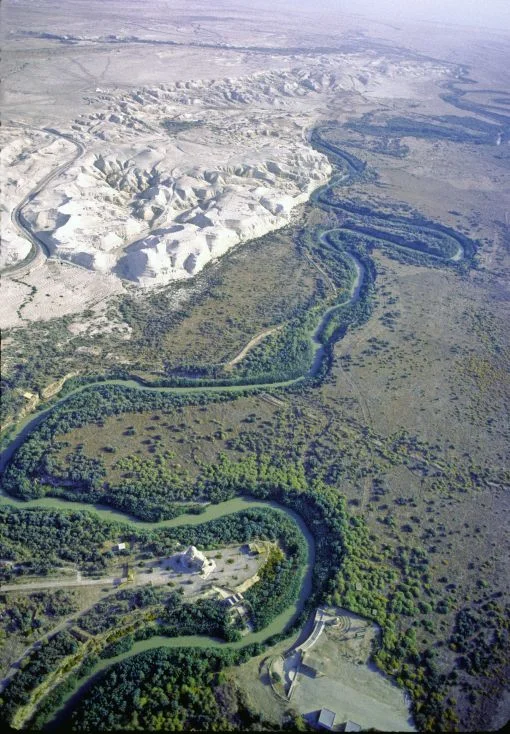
350 169
189 641
406 230
212 512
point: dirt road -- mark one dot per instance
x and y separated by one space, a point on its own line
252 343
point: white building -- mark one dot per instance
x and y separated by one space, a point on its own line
193 560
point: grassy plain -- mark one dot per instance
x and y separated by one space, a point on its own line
193 436
432 364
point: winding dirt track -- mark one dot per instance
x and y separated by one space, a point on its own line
39 251
252 343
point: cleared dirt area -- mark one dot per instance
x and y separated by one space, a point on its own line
233 567
55 289
335 674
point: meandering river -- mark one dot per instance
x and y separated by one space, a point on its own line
351 169
212 512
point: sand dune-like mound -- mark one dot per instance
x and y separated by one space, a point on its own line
163 180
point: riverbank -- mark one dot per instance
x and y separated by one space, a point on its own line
278 625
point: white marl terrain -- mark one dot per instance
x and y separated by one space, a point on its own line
169 178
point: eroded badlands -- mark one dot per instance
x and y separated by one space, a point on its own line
166 179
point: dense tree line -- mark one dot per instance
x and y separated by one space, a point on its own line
37 541
202 617
400 230
453 128
41 662
174 690
55 697
348 164
241 527
279 585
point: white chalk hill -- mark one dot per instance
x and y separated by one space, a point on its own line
176 176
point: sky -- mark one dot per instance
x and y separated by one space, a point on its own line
483 13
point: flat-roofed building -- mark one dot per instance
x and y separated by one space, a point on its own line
326 719
352 726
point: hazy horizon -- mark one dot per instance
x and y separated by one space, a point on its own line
489 14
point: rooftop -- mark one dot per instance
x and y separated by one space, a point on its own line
352 726
326 718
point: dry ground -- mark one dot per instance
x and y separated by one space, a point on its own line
347 684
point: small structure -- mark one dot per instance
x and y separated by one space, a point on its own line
121 546
309 670
326 719
194 561
255 549
352 726
231 601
